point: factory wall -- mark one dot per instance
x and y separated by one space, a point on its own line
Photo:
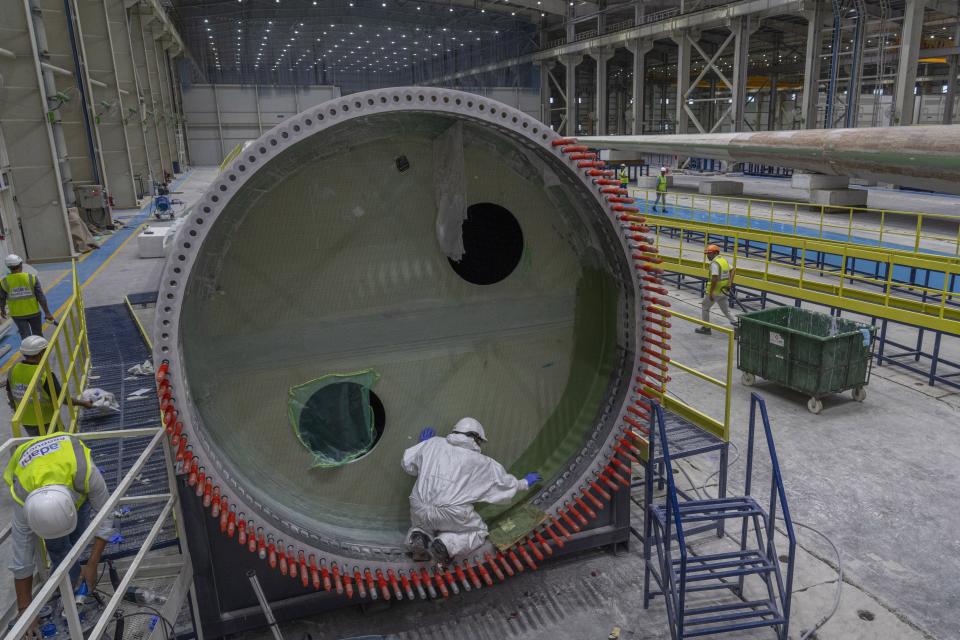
87 96
219 117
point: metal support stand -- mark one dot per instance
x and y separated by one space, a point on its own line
264 605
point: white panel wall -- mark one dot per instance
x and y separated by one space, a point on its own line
219 117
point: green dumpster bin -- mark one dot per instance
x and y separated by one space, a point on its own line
813 353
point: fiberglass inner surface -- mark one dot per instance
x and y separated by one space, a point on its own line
327 261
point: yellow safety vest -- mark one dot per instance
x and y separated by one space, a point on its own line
662 184
21 301
624 176
54 459
724 272
20 377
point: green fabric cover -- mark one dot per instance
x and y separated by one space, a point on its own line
332 417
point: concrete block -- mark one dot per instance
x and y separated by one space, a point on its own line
150 242
811 181
721 188
839 197
650 182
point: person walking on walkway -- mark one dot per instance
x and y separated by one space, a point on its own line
718 288
661 190
22 298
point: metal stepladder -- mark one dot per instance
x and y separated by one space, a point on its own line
705 593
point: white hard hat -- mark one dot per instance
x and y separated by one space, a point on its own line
32 345
470 425
13 260
663 168
50 511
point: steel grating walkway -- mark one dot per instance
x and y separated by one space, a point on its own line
115 346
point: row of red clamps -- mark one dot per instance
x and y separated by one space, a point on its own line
299 564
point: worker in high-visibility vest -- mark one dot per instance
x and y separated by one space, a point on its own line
57 491
624 176
661 190
22 298
718 288
22 373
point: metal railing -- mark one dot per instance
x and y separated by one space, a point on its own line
59 579
901 231
67 357
917 289
700 416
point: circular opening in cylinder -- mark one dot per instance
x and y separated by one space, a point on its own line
344 419
492 243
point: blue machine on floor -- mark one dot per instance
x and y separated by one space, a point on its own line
705 593
162 204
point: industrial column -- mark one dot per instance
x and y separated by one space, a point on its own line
741 28
162 43
852 115
130 114
85 86
683 79
36 149
147 97
903 99
602 56
570 62
545 93
155 47
639 49
811 68
152 85
951 94
107 102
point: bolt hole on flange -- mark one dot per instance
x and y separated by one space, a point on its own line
863 614
492 242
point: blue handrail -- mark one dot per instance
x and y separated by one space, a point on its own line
673 507
776 491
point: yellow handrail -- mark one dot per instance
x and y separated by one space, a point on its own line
881 297
69 352
906 228
719 427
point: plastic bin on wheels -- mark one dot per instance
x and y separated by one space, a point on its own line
809 352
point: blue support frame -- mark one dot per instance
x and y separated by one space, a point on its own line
679 573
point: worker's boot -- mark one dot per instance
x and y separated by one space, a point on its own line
439 552
704 331
419 546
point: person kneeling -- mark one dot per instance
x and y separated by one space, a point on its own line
452 475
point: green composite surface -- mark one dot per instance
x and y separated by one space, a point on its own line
803 350
328 261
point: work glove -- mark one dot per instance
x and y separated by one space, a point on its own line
51 320
427 433
532 478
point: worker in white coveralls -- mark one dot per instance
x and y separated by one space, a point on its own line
57 491
452 475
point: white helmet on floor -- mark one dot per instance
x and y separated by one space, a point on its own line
13 260
32 345
50 511
468 426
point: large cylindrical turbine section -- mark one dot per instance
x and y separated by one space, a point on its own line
437 243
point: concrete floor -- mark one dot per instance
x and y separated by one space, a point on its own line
878 478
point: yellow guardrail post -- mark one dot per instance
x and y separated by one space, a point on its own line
71 352
717 427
